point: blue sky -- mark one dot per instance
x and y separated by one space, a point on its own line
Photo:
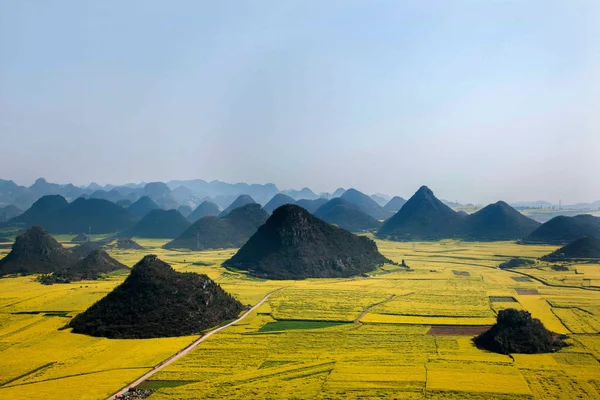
479 100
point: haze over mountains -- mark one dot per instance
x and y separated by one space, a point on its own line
166 210
192 193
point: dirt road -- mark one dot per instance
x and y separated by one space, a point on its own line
185 351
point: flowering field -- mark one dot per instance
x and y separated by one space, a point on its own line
321 338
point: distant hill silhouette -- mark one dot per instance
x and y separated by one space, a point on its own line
311 205
127 244
156 301
563 230
423 217
143 206
365 204
294 244
125 203
95 264
516 332
9 212
82 237
35 251
159 224
394 204
112 195
185 211
497 221
582 248
338 192
232 230
58 216
84 249
277 201
304 193
347 216
380 199
43 212
242 200
205 209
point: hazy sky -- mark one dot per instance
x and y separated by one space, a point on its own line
480 100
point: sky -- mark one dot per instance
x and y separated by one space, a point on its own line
479 100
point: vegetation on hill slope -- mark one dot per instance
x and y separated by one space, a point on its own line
156 301
294 244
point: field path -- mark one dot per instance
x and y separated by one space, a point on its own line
357 320
191 347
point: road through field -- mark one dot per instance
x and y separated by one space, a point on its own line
185 351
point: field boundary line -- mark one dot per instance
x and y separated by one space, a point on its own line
357 320
593 288
188 349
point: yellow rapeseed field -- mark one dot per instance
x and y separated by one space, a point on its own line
362 337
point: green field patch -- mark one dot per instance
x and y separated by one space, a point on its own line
162 384
521 279
296 325
502 299
202 263
461 273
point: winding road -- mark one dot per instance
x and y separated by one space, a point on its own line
185 351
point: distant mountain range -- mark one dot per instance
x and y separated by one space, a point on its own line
189 194
425 217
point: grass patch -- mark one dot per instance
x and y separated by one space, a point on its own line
162 384
502 299
295 325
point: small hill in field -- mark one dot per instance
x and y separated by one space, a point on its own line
516 332
277 201
564 230
159 224
347 216
394 205
242 200
294 244
157 301
127 244
516 263
143 206
205 209
82 237
232 230
365 203
497 221
33 252
95 264
84 249
587 247
311 205
423 217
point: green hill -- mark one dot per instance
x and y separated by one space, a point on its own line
346 216
156 301
232 230
294 244
35 252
